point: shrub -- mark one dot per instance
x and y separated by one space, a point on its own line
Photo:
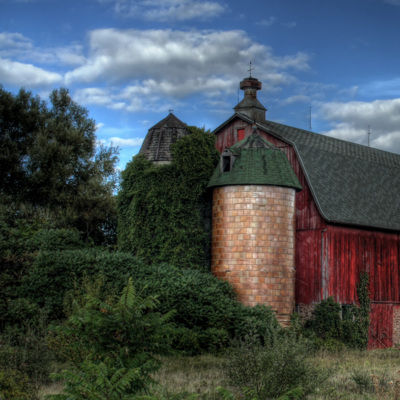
24 355
122 338
335 325
274 369
54 273
15 385
326 321
207 312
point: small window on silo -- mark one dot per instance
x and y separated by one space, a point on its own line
227 161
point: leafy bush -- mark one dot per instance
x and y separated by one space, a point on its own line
53 273
121 338
335 325
24 356
274 369
15 385
208 314
326 321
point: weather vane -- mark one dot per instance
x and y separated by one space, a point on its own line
170 111
251 69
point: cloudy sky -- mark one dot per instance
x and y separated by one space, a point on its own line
131 61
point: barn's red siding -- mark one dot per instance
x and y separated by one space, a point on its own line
329 258
330 261
381 328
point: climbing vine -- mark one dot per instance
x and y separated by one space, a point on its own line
162 208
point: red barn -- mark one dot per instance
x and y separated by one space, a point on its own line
347 215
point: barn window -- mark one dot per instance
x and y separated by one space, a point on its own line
240 134
227 161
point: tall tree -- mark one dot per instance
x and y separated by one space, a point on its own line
49 159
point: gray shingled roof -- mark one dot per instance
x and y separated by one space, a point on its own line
351 184
257 162
157 143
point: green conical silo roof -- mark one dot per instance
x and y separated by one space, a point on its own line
254 161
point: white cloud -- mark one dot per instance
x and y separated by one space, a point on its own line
168 10
352 121
393 2
166 61
289 25
20 48
147 70
16 73
299 98
120 142
266 22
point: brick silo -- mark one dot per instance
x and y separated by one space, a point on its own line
253 224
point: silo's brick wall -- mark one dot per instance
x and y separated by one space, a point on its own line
253 244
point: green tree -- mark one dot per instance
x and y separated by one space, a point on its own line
49 159
162 209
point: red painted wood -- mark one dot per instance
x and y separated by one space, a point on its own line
351 251
240 134
308 266
381 327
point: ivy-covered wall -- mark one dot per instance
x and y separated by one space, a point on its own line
162 209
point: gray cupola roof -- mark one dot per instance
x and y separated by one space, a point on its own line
156 146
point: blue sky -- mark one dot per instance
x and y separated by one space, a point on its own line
130 61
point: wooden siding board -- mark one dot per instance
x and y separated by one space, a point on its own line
381 327
308 266
354 250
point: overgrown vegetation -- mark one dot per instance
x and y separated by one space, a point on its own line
162 208
273 369
120 339
336 326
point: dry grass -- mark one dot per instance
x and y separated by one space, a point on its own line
357 375
53 388
200 375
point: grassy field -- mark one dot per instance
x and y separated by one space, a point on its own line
350 375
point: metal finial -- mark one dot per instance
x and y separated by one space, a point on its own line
251 69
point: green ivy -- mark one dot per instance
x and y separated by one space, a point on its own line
162 208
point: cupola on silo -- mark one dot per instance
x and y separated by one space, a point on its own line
253 224
156 146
